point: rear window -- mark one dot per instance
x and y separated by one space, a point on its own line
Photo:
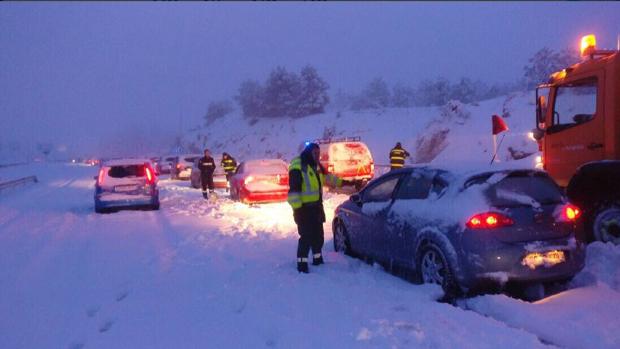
191 159
266 167
126 171
523 188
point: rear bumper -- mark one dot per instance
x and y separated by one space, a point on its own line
220 182
500 262
264 197
137 200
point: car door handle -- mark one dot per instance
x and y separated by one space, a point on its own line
593 145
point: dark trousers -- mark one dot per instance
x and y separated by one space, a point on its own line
207 182
310 228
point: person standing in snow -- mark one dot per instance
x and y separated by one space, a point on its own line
306 180
398 156
229 164
206 164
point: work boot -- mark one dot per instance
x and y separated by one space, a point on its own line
205 195
317 259
302 265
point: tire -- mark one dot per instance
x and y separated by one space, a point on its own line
434 268
155 207
606 223
99 210
341 238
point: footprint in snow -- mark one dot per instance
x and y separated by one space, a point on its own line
121 296
92 311
76 346
105 327
400 308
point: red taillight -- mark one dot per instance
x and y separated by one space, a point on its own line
571 212
283 180
489 220
150 178
100 179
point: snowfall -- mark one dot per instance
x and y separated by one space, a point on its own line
199 274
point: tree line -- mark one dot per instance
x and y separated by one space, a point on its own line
289 94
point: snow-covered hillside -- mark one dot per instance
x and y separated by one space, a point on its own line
454 132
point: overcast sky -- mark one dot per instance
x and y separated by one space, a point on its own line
87 74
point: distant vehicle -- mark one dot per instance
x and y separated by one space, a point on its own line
578 132
348 158
92 162
219 176
166 164
126 183
463 231
260 181
182 168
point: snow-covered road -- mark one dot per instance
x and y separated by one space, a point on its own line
195 275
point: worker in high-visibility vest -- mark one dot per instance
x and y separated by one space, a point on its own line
229 165
398 156
306 180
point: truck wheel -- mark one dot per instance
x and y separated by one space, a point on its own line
606 224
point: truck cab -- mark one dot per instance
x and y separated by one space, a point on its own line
578 132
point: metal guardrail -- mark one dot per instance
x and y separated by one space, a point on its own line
16 182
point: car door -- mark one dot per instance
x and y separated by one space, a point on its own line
376 202
401 226
577 128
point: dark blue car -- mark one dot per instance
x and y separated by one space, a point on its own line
463 230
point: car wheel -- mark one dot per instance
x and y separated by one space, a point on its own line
341 238
434 268
99 210
606 224
155 207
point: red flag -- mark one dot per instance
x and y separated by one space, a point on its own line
499 125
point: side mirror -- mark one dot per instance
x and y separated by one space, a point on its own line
538 134
357 199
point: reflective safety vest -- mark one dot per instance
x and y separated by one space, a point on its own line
309 184
229 165
397 157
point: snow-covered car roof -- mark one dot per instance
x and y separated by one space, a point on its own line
265 165
126 161
457 203
461 172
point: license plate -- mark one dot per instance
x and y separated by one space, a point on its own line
547 259
125 188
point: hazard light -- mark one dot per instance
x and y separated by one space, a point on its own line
588 45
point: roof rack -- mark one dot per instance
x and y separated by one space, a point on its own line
334 140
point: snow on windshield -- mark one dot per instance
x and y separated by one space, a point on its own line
453 207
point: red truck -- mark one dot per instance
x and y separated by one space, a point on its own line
578 132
